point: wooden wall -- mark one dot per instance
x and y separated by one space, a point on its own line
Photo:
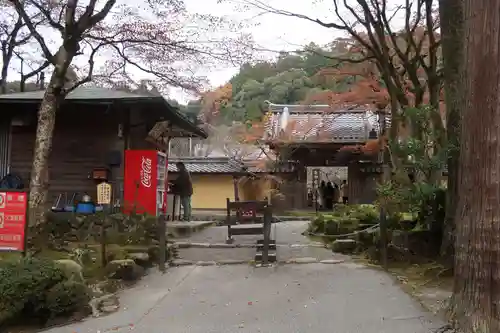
362 186
83 137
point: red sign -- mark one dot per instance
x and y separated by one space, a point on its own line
12 220
140 181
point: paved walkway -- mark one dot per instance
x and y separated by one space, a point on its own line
209 245
317 298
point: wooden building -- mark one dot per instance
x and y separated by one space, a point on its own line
312 136
216 178
93 128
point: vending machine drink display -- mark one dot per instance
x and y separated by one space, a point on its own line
145 185
140 184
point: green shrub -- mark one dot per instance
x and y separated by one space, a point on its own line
365 214
27 285
66 298
344 219
23 285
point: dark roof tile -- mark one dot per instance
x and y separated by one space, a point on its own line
80 93
317 123
207 165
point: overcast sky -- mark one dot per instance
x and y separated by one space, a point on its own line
270 31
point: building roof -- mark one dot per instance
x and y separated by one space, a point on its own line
207 165
179 124
319 123
79 94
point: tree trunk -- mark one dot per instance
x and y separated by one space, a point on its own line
452 39
477 260
3 75
43 144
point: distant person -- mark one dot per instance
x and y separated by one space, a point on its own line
345 192
309 198
329 193
336 193
321 195
184 188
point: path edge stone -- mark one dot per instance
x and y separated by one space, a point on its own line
228 262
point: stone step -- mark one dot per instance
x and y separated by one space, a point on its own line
260 244
271 257
182 229
247 230
261 241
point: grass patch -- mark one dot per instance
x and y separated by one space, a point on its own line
45 254
299 213
416 276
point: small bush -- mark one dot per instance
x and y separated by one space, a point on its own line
23 285
66 298
29 287
344 220
365 214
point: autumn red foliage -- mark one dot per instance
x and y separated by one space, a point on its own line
213 101
369 86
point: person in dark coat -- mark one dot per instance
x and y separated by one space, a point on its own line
184 188
329 193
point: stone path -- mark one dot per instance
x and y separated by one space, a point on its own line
343 297
316 298
209 245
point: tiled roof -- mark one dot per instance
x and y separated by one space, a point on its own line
319 123
182 126
207 165
80 93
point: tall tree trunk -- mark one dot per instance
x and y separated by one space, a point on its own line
477 260
54 95
452 39
3 79
43 145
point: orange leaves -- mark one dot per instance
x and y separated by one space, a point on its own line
370 148
250 132
365 90
213 101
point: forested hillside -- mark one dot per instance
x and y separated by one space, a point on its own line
291 78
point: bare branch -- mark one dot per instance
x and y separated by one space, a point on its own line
19 5
36 71
47 15
88 77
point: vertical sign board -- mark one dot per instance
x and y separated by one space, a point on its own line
13 219
104 191
140 182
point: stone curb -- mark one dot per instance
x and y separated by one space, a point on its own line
221 218
182 262
185 245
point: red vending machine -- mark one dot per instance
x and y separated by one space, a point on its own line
141 182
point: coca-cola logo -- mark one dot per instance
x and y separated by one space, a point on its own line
146 170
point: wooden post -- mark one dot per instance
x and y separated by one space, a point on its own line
236 188
162 218
229 239
105 198
315 187
104 260
267 235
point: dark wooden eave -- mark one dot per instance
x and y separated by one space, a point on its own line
155 108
